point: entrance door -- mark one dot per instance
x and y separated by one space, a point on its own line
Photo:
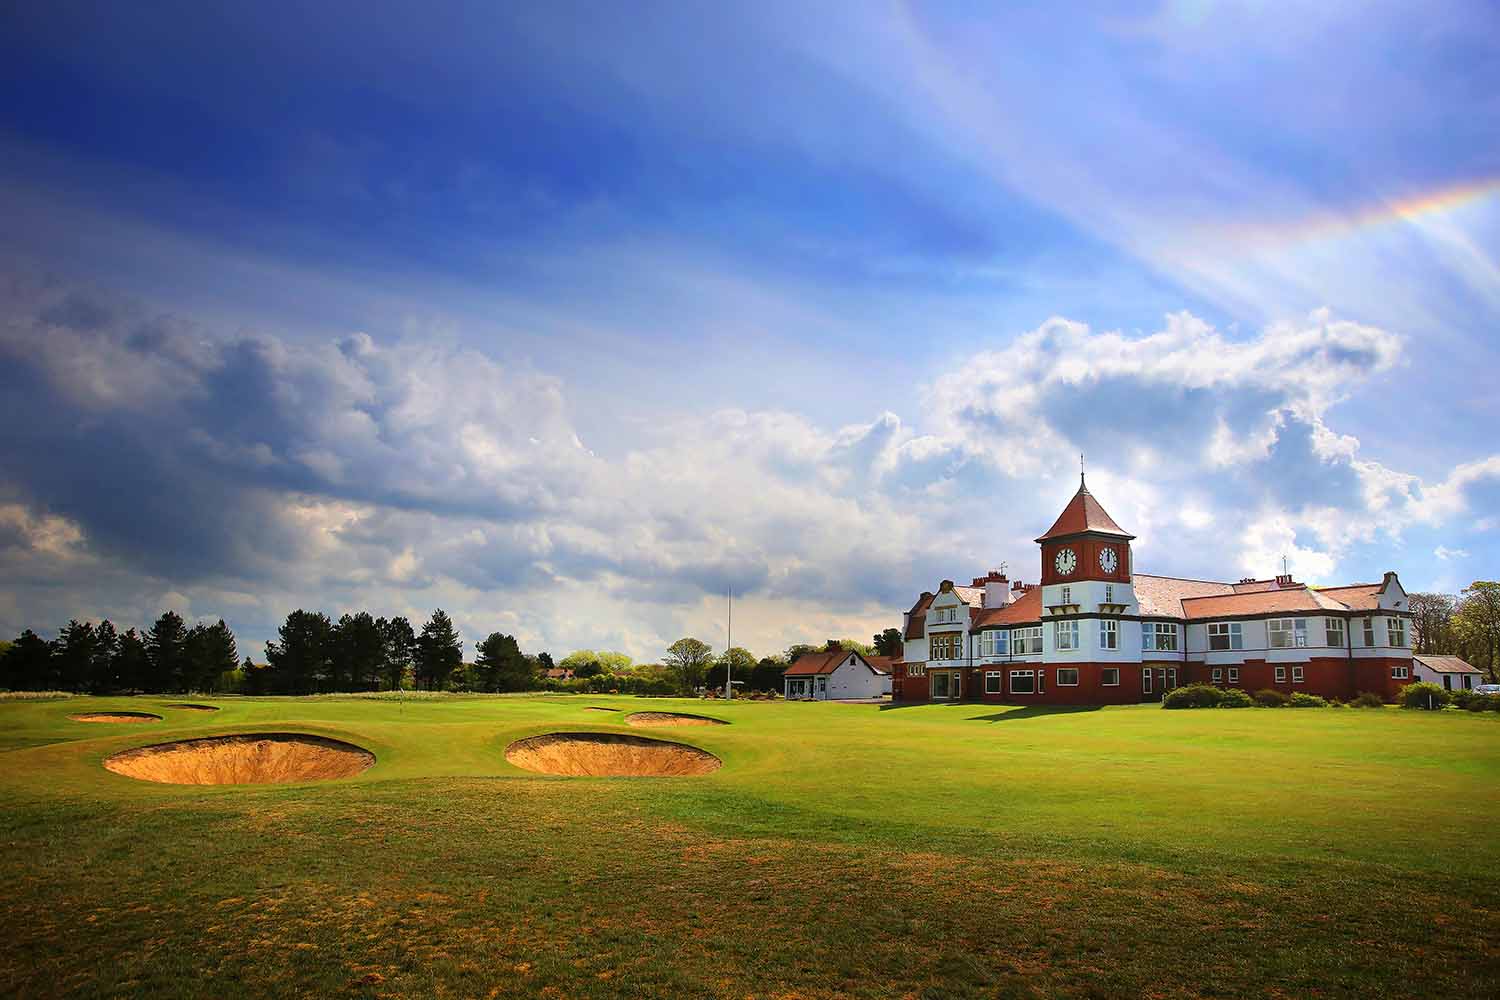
940 685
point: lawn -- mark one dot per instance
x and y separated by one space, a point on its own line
842 850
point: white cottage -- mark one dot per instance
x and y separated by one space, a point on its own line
837 674
1451 672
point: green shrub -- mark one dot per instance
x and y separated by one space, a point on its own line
1270 698
1424 694
1193 696
1301 699
1235 698
1367 699
1336 703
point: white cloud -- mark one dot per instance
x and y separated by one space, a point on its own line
1444 553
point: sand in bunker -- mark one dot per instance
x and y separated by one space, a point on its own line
248 759
609 754
115 717
671 719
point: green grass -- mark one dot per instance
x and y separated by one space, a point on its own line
932 851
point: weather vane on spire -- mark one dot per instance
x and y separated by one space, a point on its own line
1080 471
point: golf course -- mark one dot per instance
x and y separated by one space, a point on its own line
800 850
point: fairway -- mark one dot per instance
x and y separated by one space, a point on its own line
840 850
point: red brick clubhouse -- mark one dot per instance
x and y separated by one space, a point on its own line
1095 632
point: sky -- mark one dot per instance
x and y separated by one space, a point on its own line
567 318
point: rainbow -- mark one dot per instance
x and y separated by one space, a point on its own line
1415 210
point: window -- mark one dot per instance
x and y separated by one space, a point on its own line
1027 640
1002 641
1335 632
985 643
1065 635
1110 677
1399 673
1067 595
992 682
1146 681
940 685
1395 631
1109 634
947 646
1218 675
1109 593
1287 633
1468 682
1226 635
916 670
1296 675
1022 682
1369 631
1234 675
1281 675
1067 677
1158 635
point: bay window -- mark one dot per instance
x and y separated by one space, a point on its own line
1287 633
1226 635
1065 635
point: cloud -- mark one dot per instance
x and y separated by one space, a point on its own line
1444 553
243 474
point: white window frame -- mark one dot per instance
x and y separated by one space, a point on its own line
1218 675
1029 675
1369 632
1109 633
1027 640
1234 675
1109 593
1065 634
1298 674
1067 595
1065 671
1145 680
1281 675
1332 627
1001 639
1160 631
1232 634
1286 633
993 675
1395 632
1105 674
1400 673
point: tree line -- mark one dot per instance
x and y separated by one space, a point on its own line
1466 624
313 653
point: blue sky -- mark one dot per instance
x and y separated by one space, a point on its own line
564 317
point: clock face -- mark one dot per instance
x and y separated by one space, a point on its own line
1066 561
1108 560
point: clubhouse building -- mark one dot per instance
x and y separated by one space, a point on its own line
1095 632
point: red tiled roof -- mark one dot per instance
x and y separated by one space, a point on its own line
972 596
882 664
1445 664
1259 603
1023 610
827 662
1162 596
1359 596
1084 513
918 621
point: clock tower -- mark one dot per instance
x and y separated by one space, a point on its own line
1085 544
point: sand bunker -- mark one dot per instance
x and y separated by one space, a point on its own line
611 754
115 717
596 708
671 719
196 708
249 759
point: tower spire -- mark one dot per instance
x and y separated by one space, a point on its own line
1081 484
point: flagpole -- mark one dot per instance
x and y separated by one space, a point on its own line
728 646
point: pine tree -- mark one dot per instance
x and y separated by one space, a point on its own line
28 664
399 643
299 662
73 655
103 669
166 653
439 651
501 665
132 665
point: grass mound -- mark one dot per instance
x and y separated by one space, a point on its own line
249 759
115 717
609 754
195 708
671 719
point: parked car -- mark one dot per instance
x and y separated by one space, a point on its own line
1487 688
